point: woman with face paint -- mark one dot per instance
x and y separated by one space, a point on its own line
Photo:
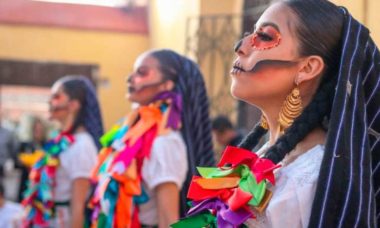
59 181
151 155
314 72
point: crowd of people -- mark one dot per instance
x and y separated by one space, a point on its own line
312 70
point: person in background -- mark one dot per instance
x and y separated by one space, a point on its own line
151 156
8 148
9 212
60 180
33 134
224 132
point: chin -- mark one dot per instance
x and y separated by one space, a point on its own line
235 91
131 97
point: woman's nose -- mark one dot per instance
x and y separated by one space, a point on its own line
129 78
241 47
238 45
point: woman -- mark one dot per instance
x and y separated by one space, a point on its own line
59 181
149 158
314 72
33 132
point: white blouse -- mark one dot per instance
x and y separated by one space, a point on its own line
293 193
167 163
76 162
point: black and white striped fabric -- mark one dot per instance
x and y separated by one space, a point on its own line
348 192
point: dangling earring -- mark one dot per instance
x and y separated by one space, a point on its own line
290 110
264 122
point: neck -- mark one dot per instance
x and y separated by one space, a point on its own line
68 123
272 114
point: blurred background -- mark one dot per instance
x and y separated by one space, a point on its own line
41 41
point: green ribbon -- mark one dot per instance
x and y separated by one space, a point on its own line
249 184
247 181
108 137
197 221
212 172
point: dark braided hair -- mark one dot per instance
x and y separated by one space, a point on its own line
318 29
81 88
196 123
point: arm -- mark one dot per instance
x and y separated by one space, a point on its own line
167 204
80 189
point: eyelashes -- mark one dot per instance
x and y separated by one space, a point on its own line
265 38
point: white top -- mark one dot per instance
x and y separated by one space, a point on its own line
10 214
167 163
76 162
293 193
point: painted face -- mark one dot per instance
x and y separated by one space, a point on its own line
267 60
58 104
146 81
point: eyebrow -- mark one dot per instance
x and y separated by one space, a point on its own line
267 24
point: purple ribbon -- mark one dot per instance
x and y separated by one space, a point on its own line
225 216
174 118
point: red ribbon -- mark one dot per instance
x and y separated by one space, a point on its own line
262 168
235 198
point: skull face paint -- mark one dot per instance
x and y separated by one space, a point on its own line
265 38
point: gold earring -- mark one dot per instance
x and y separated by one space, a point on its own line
264 122
290 110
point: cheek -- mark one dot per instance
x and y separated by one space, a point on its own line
143 96
242 86
261 86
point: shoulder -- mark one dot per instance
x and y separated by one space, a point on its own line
172 137
83 140
167 161
79 159
83 144
14 207
169 145
305 169
83 137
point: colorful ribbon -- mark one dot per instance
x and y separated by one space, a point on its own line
227 191
117 175
38 198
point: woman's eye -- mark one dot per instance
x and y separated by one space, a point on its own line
264 37
142 72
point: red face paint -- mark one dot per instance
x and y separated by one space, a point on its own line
265 38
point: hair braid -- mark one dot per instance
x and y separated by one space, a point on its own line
253 137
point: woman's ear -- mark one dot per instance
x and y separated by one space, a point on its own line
169 85
311 68
74 105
